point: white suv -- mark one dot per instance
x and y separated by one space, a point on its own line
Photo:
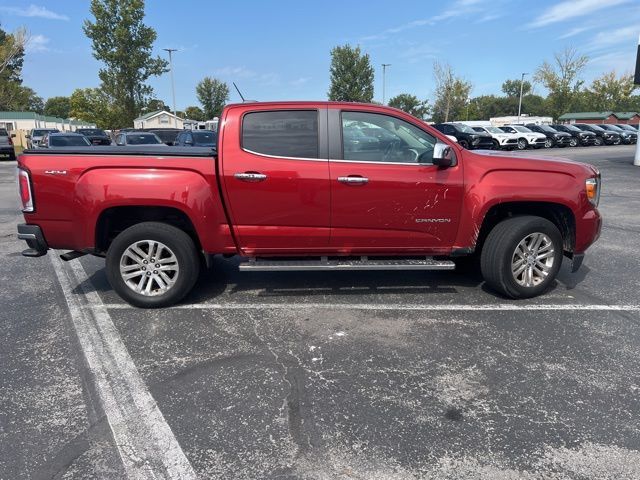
501 139
526 137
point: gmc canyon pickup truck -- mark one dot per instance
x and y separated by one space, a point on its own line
309 186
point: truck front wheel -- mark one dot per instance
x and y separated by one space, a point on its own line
152 264
521 256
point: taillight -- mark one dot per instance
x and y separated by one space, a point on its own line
25 190
10 141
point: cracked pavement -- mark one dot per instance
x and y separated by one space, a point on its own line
295 392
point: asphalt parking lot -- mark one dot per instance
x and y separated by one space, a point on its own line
361 375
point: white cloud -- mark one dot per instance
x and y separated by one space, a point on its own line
237 72
569 9
614 36
573 32
618 61
299 81
34 11
38 43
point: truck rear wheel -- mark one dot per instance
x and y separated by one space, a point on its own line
152 265
521 256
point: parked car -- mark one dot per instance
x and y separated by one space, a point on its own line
501 139
626 136
603 137
95 135
554 137
628 128
64 139
286 195
526 138
167 135
6 144
34 138
578 136
139 138
196 138
466 136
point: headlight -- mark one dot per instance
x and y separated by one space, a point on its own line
592 187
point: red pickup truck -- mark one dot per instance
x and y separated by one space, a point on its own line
309 186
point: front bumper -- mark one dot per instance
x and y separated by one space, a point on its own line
7 149
34 237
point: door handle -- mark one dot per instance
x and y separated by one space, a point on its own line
250 176
353 180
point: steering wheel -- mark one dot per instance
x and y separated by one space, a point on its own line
389 150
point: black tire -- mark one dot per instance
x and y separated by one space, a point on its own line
500 248
12 156
598 142
522 144
496 144
464 144
176 241
573 142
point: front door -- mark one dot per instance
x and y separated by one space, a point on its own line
386 195
276 180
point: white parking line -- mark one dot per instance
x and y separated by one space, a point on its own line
144 440
387 306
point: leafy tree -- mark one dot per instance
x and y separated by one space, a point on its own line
154 105
13 95
562 79
511 88
451 94
213 94
93 105
57 107
411 104
194 113
610 92
351 75
123 43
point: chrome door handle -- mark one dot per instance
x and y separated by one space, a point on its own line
352 180
250 176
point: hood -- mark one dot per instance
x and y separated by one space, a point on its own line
535 162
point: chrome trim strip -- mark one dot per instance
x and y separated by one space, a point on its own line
383 163
284 158
26 236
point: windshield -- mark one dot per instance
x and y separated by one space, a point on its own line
614 128
547 128
465 128
68 141
167 136
205 139
39 133
595 128
92 131
518 128
142 139
494 130
572 128
628 127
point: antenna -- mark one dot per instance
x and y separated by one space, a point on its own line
238 90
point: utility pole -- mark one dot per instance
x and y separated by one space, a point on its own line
173 86
520 102
384 81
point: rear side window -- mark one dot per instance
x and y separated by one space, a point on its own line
290 133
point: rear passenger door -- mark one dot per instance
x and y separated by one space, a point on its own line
276 179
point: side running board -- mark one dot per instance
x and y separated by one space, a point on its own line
347 263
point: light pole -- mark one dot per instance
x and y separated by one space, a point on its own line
384 81
520 102
173 86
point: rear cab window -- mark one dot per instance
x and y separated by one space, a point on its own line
281 133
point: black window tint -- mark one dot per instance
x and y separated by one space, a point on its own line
372 137
291 133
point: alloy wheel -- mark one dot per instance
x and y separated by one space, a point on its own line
532 260
149 267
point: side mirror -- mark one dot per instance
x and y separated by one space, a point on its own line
27 136
443 155
13 135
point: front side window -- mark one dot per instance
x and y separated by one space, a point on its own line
290 133
372 137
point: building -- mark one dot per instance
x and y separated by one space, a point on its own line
589 117
21 124
628 117
158 119
519 120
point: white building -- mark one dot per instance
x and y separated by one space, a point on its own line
521 120
158 119
27 121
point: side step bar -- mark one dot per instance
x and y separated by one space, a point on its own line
348 263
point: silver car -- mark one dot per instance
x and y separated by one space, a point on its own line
35 137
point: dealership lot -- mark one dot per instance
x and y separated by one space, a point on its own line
327 375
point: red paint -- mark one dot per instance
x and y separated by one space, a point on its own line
301 208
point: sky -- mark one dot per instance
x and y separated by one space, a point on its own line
280 50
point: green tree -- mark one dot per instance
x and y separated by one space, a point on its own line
351 75
213 94
57 107
610 92
562 80
451 95
511 88
154 105
411 104
194 113
123 43
93 105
